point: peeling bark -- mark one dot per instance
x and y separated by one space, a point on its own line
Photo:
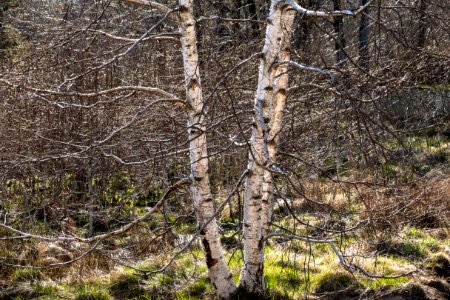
257 204
277 105
200 186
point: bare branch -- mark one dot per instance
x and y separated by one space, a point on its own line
331 14
148 90
152 4
215 18
159 37
307 68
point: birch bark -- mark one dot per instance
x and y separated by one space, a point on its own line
200 187
277 104
258 188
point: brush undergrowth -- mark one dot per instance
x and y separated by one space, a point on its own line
293 269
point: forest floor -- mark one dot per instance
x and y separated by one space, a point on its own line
395 244
293 271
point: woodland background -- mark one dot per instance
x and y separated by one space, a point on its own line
363 156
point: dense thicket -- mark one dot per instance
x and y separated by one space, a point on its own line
86 145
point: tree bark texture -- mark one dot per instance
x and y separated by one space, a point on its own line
219 273
259 181
277 104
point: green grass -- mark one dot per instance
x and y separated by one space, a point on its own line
32 290
126 285
335 281
47 291
92 292
293 269
197 290
26 275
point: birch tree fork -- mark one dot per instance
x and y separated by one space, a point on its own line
256 196
218 270
268 113
276 106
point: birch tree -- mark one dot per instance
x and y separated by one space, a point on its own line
268 117
200 183
267 111
268 108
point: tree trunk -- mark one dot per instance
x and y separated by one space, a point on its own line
258 185
92 203
203 201
364 38
422 24
3 7
340 42
276 112
303 27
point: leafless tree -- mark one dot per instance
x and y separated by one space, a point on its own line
107 104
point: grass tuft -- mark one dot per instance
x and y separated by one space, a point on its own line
26 275
127 286
92 292
333 282
439 265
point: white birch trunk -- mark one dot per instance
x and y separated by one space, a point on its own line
204 205
258 187
277 105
